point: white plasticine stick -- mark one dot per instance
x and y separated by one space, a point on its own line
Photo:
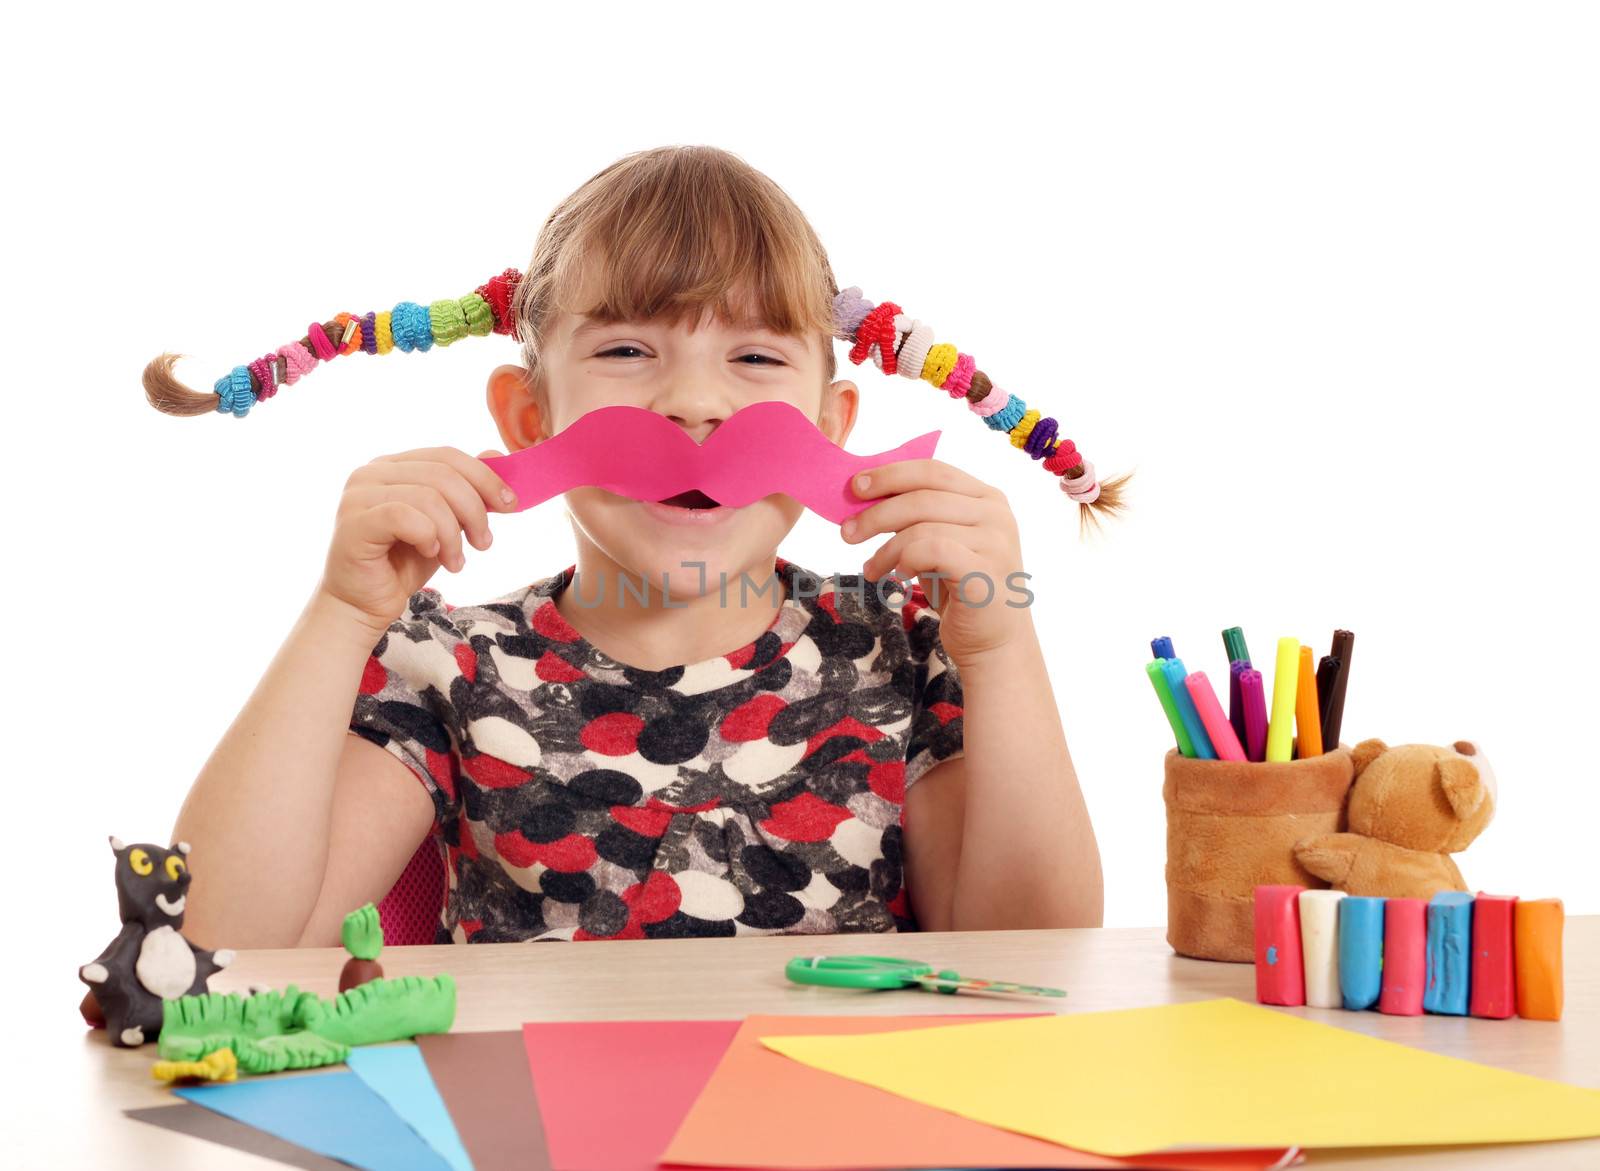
1319 946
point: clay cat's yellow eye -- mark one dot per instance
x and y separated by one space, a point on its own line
175 867
140 861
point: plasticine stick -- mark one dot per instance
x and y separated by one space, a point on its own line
1218 730
1360 951
1307 718
1285 678
1319 945
1280 978
1176 676
1449 953
1494 988
1404 957
1538 946
1158 680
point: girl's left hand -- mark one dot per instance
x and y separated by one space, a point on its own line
948 525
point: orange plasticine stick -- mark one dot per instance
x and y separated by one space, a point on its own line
1307 712
1538 947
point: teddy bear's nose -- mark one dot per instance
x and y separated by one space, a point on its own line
1466 748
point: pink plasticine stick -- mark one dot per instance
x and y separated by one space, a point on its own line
1493 981
1280 974
1405 956
1223 738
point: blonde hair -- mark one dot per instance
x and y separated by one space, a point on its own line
664 233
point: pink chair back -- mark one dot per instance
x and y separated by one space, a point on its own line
409 913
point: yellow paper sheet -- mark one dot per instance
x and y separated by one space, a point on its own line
1217 1073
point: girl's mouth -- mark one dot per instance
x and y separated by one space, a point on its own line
688 508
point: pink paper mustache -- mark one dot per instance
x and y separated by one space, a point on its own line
763 448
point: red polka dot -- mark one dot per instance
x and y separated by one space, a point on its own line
467 660
946 711
808 818
493 773
547 620
888 780
569 855
650 823
552 668
849 726
443 767
373 677
654 899
749 721
616 734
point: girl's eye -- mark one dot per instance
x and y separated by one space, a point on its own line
765 358
618 350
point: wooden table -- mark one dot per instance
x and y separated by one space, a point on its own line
76 1086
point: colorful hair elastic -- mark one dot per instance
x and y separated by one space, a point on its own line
896 342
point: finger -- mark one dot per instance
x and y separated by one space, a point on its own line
908 508
378 528
906 474
942 563
892 554
432 504
464 499
496 493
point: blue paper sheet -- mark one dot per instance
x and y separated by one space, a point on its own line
334 1114
398 1075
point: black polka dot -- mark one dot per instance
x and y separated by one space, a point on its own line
606 786
771 910
547 821
625 848
774 870
604 914
567 888
675 738
681 926
775 677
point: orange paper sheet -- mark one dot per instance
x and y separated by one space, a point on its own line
761 1109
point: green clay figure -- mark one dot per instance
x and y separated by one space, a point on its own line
362 936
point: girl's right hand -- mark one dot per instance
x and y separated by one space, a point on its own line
400 518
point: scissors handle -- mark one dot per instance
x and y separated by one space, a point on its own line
857 971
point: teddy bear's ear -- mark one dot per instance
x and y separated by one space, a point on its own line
1462 786
1366 752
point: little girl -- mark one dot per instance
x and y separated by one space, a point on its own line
681 733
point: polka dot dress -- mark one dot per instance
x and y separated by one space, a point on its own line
755 792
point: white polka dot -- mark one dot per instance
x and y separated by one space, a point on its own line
805 657
515 670
709 675
760 761
707 896
501 738
422 663
820 894
857 842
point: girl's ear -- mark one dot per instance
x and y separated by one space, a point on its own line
515 406
839 405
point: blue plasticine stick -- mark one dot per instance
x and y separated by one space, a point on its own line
1449 953
1360 951
1177 678
1161 648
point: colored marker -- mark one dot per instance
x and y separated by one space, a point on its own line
1176 676
1235 698
1326 670
1161 648
1280 731
1538 946
1307 719
1319 945
1405 965
1343 644
1216 724
1360 951
1280 978
1494 985
1233 644
1253 693
1449 962
1158 679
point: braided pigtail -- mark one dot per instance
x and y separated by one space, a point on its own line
406 327
900 344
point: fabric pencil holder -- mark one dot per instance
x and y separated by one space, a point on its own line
1232 826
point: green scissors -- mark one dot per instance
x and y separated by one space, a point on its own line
878 972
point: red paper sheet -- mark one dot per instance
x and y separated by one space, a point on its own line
612 1093
760 1109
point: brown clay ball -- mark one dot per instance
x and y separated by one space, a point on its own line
356 972
90 1008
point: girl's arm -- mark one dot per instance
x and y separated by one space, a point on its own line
291 815
1000 836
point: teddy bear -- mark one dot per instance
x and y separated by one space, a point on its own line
1410 807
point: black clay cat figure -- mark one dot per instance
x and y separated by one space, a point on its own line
148 961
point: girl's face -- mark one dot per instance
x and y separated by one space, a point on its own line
696 374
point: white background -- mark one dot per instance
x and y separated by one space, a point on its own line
1324 278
